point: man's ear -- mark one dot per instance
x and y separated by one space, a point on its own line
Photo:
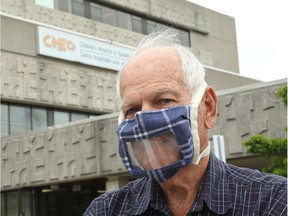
211 104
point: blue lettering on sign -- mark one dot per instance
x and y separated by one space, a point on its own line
102 59
86 45
85 55
105 50
123 54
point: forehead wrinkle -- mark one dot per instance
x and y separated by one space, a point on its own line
165 90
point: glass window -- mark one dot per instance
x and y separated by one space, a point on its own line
64 5
124 20
3 203
61 117
12 203
78 7
45 3
50 117
39 118
137 25
96 13
4 120
78 116
20 119
16 119
151 26
109 16
26 202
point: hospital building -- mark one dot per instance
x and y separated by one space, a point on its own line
59 62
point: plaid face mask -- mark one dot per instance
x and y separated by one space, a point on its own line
147 126
158 143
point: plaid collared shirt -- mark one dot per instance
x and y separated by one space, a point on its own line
225 190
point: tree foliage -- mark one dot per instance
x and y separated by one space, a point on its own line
266 147
282 93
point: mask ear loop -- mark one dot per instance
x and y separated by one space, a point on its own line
195 102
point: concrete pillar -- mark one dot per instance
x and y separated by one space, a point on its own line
115 182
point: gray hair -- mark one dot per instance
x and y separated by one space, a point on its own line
193 70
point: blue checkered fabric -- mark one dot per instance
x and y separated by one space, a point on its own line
149 124
224 190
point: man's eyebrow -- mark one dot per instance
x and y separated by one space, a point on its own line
166 90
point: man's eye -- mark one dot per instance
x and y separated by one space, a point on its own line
166 101
131 112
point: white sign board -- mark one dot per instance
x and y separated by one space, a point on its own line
76 48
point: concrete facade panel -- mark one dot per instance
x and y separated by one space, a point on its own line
225 80
224 52
10 40
249 110
221 27
44 82
60 154
108 147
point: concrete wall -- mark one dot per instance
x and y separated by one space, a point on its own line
249 110
222 79
71 152
49 83
89 148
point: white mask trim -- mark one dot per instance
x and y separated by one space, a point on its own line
195 102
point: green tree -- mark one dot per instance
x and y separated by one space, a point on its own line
266 147
282 93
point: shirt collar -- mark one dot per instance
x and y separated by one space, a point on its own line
214 188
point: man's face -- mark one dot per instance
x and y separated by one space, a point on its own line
153 80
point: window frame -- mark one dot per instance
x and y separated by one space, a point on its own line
50 120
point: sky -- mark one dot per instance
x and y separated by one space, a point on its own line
262 35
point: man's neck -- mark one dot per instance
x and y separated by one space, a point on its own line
180 191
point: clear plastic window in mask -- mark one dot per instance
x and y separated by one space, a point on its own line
154 153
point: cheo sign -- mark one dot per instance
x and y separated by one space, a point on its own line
72 47
59 43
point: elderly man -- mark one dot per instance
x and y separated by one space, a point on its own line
166 111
